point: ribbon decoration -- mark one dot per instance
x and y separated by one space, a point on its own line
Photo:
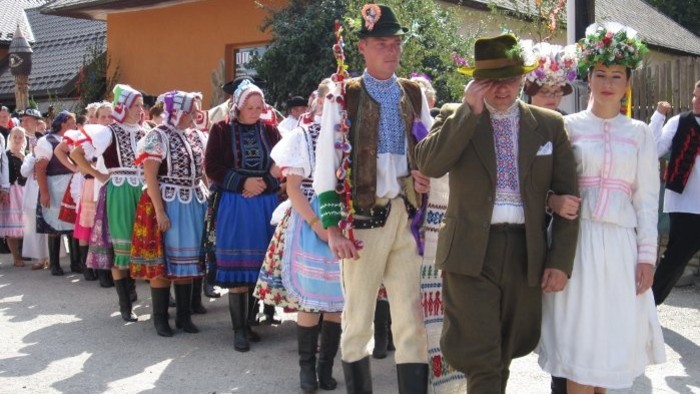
419 132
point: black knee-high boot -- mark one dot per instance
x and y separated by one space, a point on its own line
197 306
105 277
88 274
54 243
307 339
358 376
159 297
74 253
131 287
330 341
183 300
238 308
124 300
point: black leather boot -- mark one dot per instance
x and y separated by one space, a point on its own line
105 277
358 377
330 340
54 244
381 330
183 300
159 298
238 308
88 273
271 315
131 286
197 306
74 254
124 301
307 339
208 287
412 378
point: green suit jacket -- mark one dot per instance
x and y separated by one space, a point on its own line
461 143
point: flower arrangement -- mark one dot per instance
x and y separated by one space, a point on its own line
610 44
557 65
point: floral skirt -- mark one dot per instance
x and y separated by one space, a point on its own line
12 222
100 253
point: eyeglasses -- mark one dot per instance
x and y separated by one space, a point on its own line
557 93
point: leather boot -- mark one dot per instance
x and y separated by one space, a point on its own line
88 273
330 340
105 277
412 378
238 308
54 243
253 308
381 330
358 376
183 300
131 286
197 306
270 315
307 339
209 289
74 254
124 301
159 298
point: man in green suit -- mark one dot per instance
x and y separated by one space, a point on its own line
504 158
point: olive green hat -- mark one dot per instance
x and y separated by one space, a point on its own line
379 20
500 57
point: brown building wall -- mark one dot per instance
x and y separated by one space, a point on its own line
179 47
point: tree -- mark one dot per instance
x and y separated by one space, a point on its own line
93 82
301 55
682 11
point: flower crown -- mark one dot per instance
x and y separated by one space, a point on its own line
556 65
610 44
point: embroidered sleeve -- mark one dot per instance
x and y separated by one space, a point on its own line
645 197
151 147
327 161
100 139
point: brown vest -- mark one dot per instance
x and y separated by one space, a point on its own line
363 112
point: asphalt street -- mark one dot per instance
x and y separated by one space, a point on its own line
65 335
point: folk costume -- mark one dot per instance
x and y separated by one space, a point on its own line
12 222
381 115
598 331
501 163
236 151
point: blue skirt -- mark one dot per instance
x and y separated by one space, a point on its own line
243 232
184 238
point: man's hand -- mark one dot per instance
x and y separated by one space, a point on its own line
421 183
341 247
474 94
645 277
553 280
663 107
253 186
565 205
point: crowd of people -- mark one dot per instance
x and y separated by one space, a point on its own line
547 223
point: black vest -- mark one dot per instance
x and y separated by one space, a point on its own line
684 149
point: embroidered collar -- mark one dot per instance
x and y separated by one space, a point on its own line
375 85
510 112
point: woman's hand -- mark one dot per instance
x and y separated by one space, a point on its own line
253 186
565 205
275 171
645 277
44 199
163 221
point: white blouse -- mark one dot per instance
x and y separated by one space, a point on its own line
618 175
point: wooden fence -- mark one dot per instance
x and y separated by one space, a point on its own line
672 81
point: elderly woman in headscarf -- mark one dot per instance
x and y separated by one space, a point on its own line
244 185
110 239
170 215
551 80
53 178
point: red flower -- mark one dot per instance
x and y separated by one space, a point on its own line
608 38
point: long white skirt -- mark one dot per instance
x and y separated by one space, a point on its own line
597 331
35 245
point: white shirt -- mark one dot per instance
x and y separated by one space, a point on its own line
287 125
689 200
4 167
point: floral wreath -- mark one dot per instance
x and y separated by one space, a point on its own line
371 13
557 65
610 44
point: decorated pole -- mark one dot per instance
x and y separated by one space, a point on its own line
21 66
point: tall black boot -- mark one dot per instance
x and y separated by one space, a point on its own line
105 277
74 253
88 273
238 308
183 300
131 286
381 329
307 339
413 378
159 297
330 340
271 315
208 287
54 243
124 301
197 306
358 377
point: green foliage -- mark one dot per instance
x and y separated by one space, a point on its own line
682 11
301 55
543 18
93 82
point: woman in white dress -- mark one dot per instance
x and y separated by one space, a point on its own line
602 330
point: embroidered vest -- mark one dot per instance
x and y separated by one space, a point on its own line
684 148
363 112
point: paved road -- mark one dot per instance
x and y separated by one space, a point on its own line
62 334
